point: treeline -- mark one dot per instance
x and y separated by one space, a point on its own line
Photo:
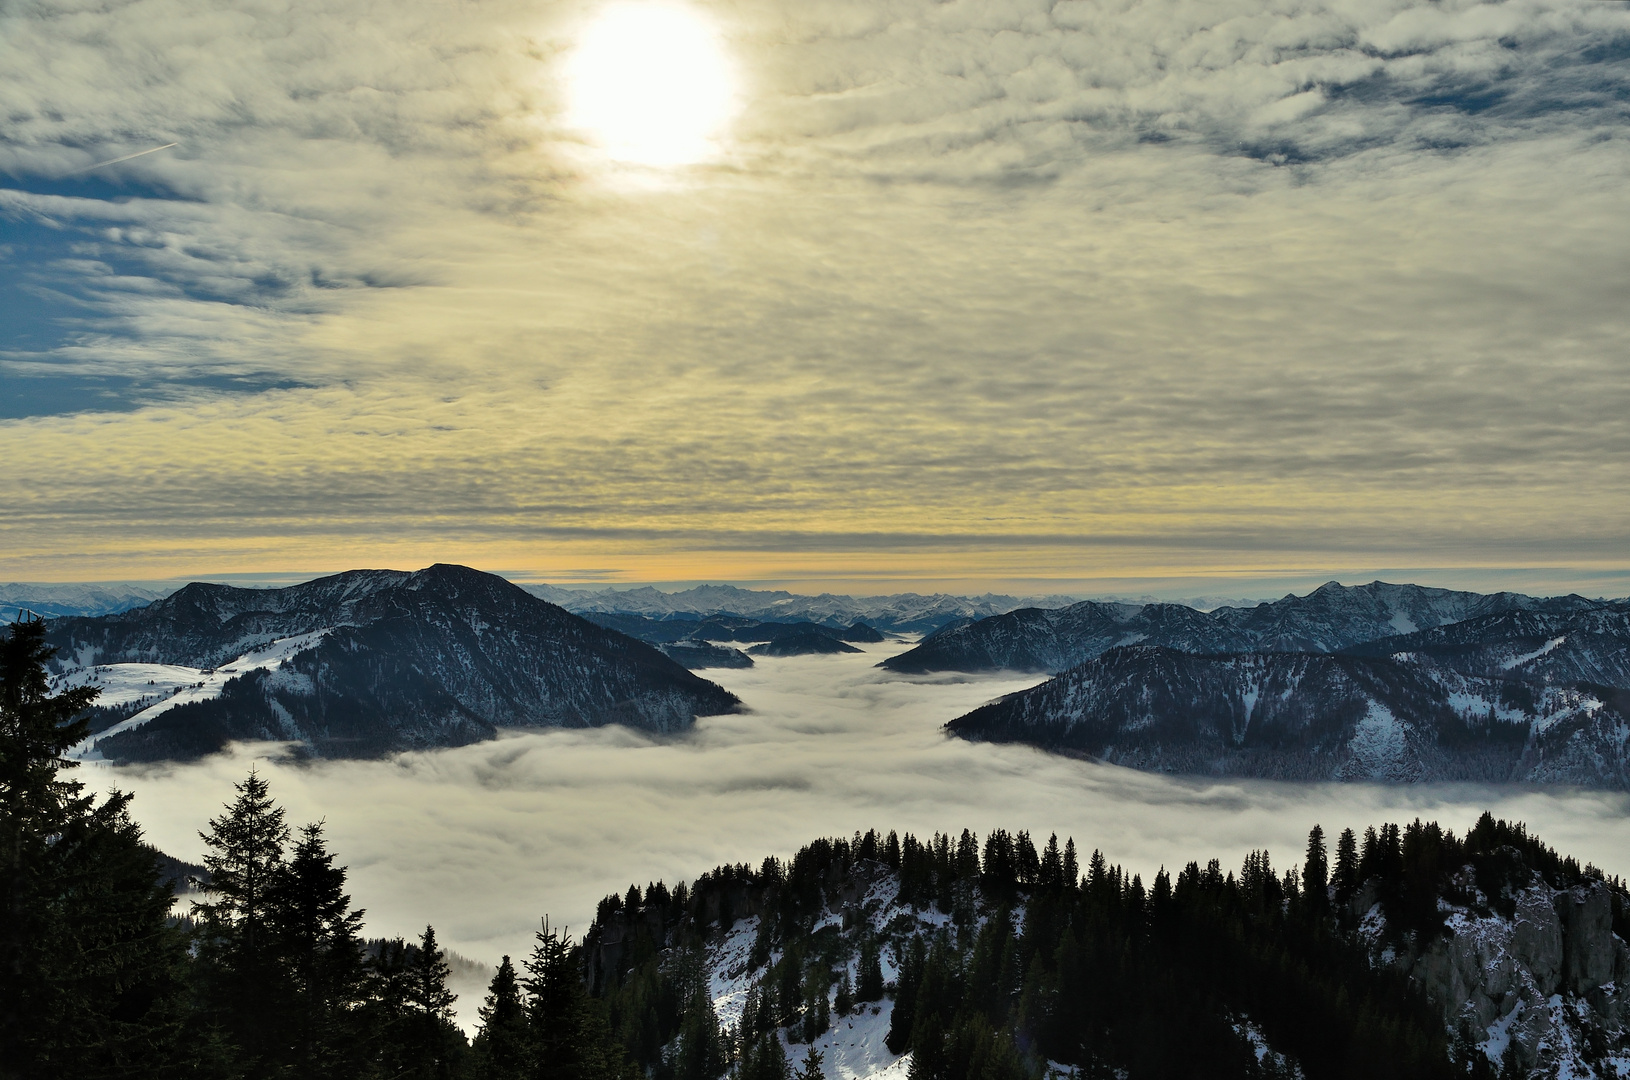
269 976
1046 960
1099 971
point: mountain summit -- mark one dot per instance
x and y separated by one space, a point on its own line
395 660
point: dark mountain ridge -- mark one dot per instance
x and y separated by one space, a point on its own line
1330 619
803 639
436 657
1591 646
696 654
1318 716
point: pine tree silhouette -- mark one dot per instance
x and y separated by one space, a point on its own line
502 1049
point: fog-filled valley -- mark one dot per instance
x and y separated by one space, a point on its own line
483 840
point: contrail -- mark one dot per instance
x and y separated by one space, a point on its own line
127 157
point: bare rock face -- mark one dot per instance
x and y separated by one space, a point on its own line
1589 953
1536 938
1543 983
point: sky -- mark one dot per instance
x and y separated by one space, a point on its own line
861 296
483 841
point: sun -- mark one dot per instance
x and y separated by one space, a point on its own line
650 83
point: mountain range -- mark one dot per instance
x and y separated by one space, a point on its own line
1329 619
384 660
71 599
1533 691
899 612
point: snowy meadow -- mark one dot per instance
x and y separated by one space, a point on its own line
483 840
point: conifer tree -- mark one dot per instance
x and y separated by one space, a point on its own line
811 1069
928 1057
1051 873
1345 877
570 1036
823 1014
1071 870
869 984
36 803
904 1017
90 972
502 1048
701 1051
427 979
318 937
1316 870
433 1046
1097 873
244 990
764 1059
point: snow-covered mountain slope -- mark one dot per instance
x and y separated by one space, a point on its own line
203 625
1316 716
854 1047
149 690
1332 618
1335 617
1591 646
903 612
435 657
49 600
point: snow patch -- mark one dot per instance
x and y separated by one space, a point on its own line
1499 1034
1517 661
127 684
182 684
1264 1052
1378 744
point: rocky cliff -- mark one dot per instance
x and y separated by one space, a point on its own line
1540 984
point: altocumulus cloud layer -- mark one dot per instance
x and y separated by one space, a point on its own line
998 289
484 840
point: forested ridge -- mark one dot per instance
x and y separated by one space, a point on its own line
993 959
1043 960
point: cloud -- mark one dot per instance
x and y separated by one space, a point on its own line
1252 283
484 840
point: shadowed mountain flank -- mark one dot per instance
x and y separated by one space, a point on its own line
398 660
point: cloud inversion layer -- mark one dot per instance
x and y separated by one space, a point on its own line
990 284
483 840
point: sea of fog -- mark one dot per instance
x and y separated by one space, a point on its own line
482 841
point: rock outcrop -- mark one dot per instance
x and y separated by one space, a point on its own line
1541 986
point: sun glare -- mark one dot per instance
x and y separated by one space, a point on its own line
650 83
